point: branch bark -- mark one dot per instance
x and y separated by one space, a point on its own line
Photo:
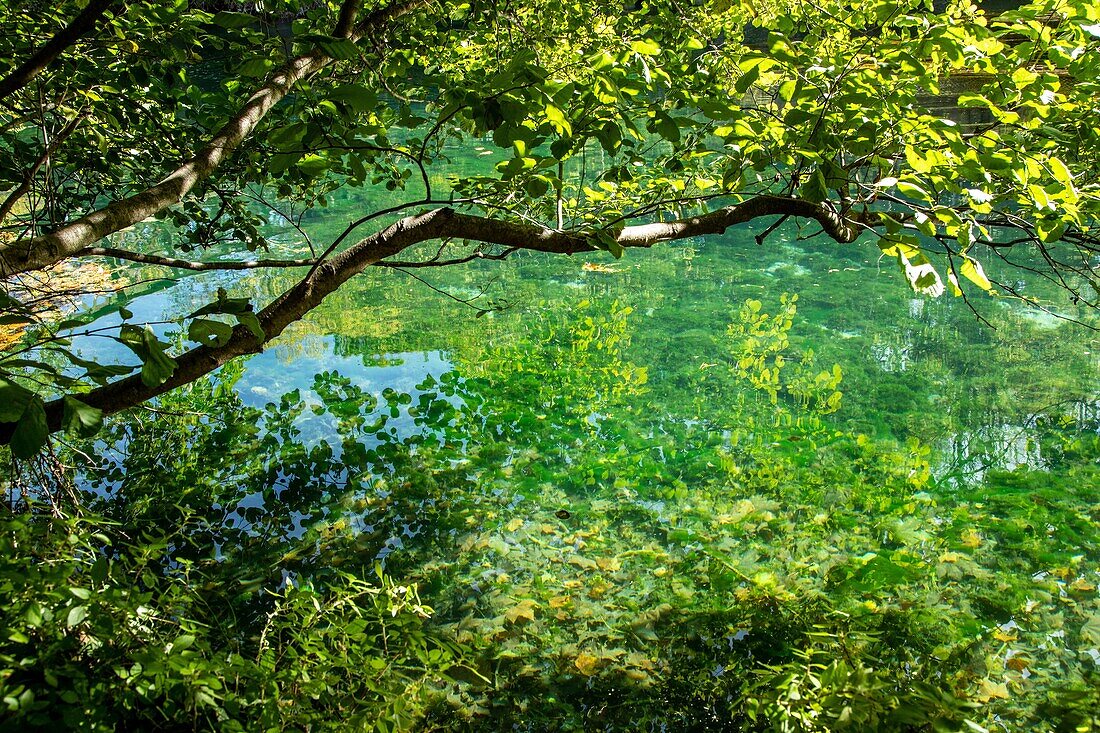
80 26
45 250
443 223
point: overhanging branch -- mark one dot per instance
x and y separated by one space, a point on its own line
42 251
80 26
442 223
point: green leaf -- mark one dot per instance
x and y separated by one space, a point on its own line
1061 173
646 47
972 271
340 49
208 332
610 137
255 68
925 225
100 569
31 431
157 366
359 97
76 615
787 89
1041 198
182 642
14 399
557 118
747 79
252 323
815 188
239 308
607 241
313 165
80 418
667 127
1050 230
913 190
224 304
600 60
98 372
559 149
234 21
536 186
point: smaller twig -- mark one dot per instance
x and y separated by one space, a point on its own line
774 225
443 263
146 259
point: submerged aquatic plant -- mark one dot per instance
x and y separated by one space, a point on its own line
599 549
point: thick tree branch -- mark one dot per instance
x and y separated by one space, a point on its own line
443 223
81 25
345 24
43 251
543 239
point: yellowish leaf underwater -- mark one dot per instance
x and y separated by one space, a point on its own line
586 663
989 690
524 610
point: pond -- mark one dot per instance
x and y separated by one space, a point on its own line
713 485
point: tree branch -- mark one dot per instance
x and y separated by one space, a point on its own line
28 178
397 264
145 259
45 250
81 25
442 223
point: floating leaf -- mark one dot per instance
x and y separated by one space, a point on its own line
582 562
1090 631
971 538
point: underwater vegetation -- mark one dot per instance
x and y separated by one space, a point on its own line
548 533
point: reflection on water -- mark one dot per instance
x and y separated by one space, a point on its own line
970 455
636 483
649 490
892 357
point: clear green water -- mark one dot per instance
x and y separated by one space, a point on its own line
619 518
